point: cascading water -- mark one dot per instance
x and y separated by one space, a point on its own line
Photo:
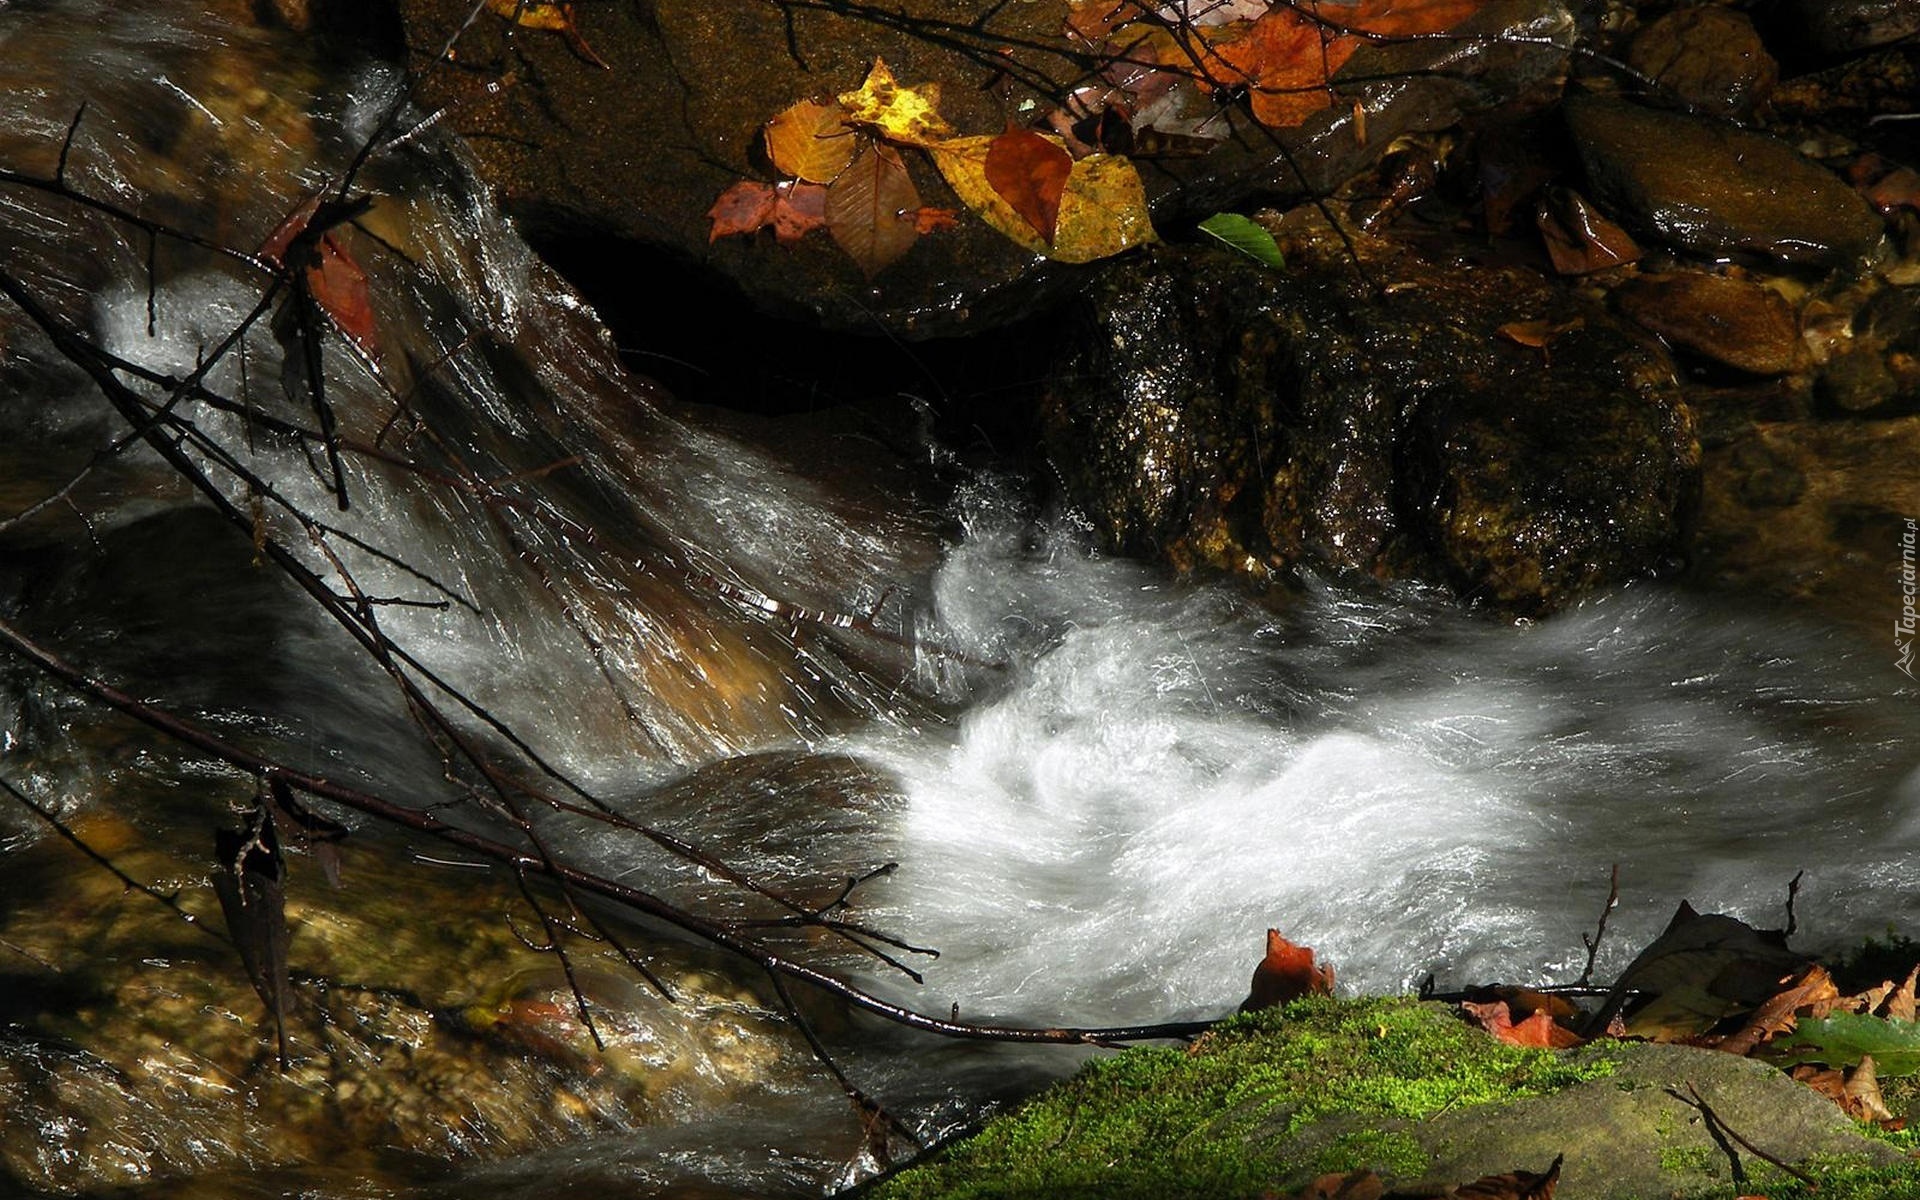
1100 786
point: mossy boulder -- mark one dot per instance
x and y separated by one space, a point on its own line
1268 1102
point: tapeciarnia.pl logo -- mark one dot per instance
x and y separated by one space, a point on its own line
1904 626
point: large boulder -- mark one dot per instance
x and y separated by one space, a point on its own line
1369 416
638 150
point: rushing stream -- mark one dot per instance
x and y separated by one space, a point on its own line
1100 787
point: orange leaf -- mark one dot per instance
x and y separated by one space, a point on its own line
1539 1030
1812 989
871 208
1398 18
810 141
932 220
1286 973
1030 173
1285 60
743 208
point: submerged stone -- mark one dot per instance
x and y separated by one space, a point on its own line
1715 189
1730 321
1710 58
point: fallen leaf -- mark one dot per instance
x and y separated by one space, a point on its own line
1286 973
871 209
1245 236
1703 969
1842 1039
1518 1185
1537 335
810 141
906 115
932 220
1862 1090
1539 1029
744 208
331 276
1811 989
791 209
1102 212
1900 1005
1354 1185
1579 238
547 14
1030 172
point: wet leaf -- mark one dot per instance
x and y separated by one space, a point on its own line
547 14
329 274
872 209
1842 1039
908 115
1102 212
248 874
1288 972
963 164
1579 238
1246 236
810 141
1030 173
933 220
1537 335
791 209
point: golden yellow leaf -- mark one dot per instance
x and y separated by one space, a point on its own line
1102 212
533 14
963 164
906 115
811 141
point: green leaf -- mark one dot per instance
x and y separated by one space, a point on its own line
1238 233
1841 1039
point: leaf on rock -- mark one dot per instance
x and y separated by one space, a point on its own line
1538 1030
933 220
810 141
548 14
1579 238
791 209
1813 989
1288 57
1519 1185
1102 212
963 164
1245 236
1288 972
1842 1039
1030 173
906 115
1701 970
872 209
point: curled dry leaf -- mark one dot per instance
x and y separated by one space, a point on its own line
1288 972
547 14
810 141
1539 1029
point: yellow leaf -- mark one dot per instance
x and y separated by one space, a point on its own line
810 141
1102 212
963 163
534 14
899 114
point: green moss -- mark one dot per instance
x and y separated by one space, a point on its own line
1836 1179
1211 1120
1685 1160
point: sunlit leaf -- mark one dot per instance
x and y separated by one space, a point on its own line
1843 1038
908 115
1102 212
1030 173
1286 973
811 141
1246 236
872 208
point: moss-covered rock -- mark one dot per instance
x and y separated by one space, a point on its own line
1269 1101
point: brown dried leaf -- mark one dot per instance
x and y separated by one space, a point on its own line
1286 973
1811 990
872 209
1355 1185
1538 1030
1900 1005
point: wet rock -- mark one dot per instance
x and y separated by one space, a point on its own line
1730 321
639 151
1711 58
1222 417
1840 26
1712 188
1876 367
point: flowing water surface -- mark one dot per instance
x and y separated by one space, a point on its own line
1100 787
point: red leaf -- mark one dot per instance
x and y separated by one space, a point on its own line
332 277
1286 973
1030 173
932 220
745 207
798 209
